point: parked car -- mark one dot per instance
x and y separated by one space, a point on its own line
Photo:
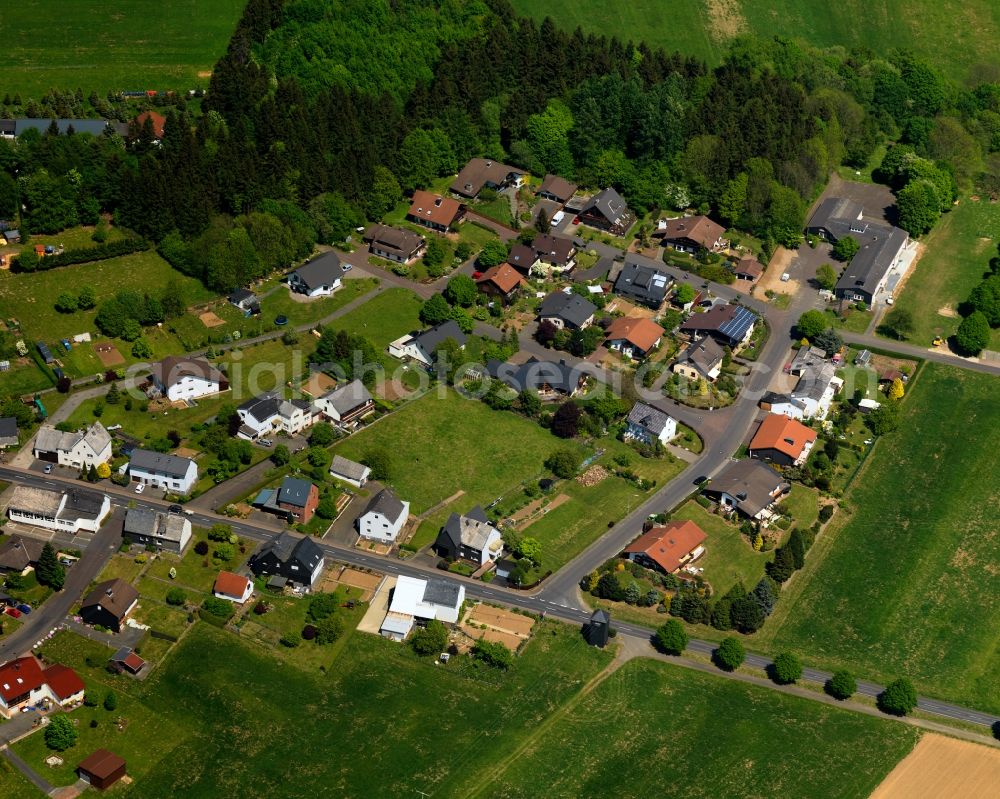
48 468
14 613
700 480
175 509
345 267
25 609
140 488
266 442
188 512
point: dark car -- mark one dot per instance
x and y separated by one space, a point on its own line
175 509
701 480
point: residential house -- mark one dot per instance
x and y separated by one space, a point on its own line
607 211
483 173
567 310
297 560
750 487
881 247
349 471
700 360
748 269
8 432
502 282
346 405
109 604
730 325
812 396
172 473
101 769
165 531
245 300
319 277
435 212
668 548
551 379
269 413
648 424
24 682
806 358
420 346
295 500
234 587
643 283
78 450
633 337
691 234
125 659
156 123
384 517
554 254
470 537
523 258
68 510
557 189
18 553
394 244
181 378
782 441
415 600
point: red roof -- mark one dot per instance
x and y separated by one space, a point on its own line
158 122
63 681
101 763
133 661
230 584
504 277
667 546
434 208
783 434
17 677
641 333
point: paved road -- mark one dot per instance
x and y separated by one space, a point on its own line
929 354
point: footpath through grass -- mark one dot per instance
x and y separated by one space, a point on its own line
907 583
652 729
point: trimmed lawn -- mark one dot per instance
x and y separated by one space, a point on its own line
497 210
384 318
906 582
958 253
123 566
855 321
62 44
442 443
803 505
724 738
196 572
13 784
280 302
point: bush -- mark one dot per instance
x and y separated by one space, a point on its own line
329 629
309 632
175 596
729 655
841 685
826 513
786 669
60 733
220 532
430 640
110 701
261 608
563 463
671 638
321 606
217 607
493 654
899 698
201 548
291 643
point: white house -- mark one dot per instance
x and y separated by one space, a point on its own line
24 682
269 413
88 447
470 537
167 531
384 517
234 587
186 378
420 346
649 424
66 511
414 599
320 277
812 396
346 404
169 472
349 471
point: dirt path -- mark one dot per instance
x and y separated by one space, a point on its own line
943 768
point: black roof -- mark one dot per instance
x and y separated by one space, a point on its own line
569 307
535 374
644 281
8 427
294 491
441 592
319 271
287 547
432 338
172 465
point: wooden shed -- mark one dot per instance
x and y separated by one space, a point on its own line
102 769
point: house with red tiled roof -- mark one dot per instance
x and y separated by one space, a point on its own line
64 683
234 587
157 122
668 548
782 440
434 211
634 337
690 234
23 682
502 282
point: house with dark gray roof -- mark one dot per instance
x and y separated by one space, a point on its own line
17 553
294 500
730 325
550 379
701 359
66 511
469 537
642 283
384 518
649 425
607 210
420 346
8 432
749 487
567 310
296 559
557 189
484 173
170 472
269 413
109 604
349 471
881 247
165 531
245 300
319 277
346 404
555 254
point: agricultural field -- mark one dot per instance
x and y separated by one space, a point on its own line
706 736
133 45
958 252
954 36
905 581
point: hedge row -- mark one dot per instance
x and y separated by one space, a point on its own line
111 249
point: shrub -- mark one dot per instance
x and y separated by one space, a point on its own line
261 608
217 607
899 697
175 596
729 655
201 548
841 685
329 629
110 701
671 638
291 643
786 669
309 632
431 639
60 733
826 513
321 606
493 654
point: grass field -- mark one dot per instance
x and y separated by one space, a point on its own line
132 45
384 318
958 253
652 729
906 582
954 36
13 784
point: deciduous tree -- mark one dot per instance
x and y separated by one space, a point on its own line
671 638
786 669
899 697
729 655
